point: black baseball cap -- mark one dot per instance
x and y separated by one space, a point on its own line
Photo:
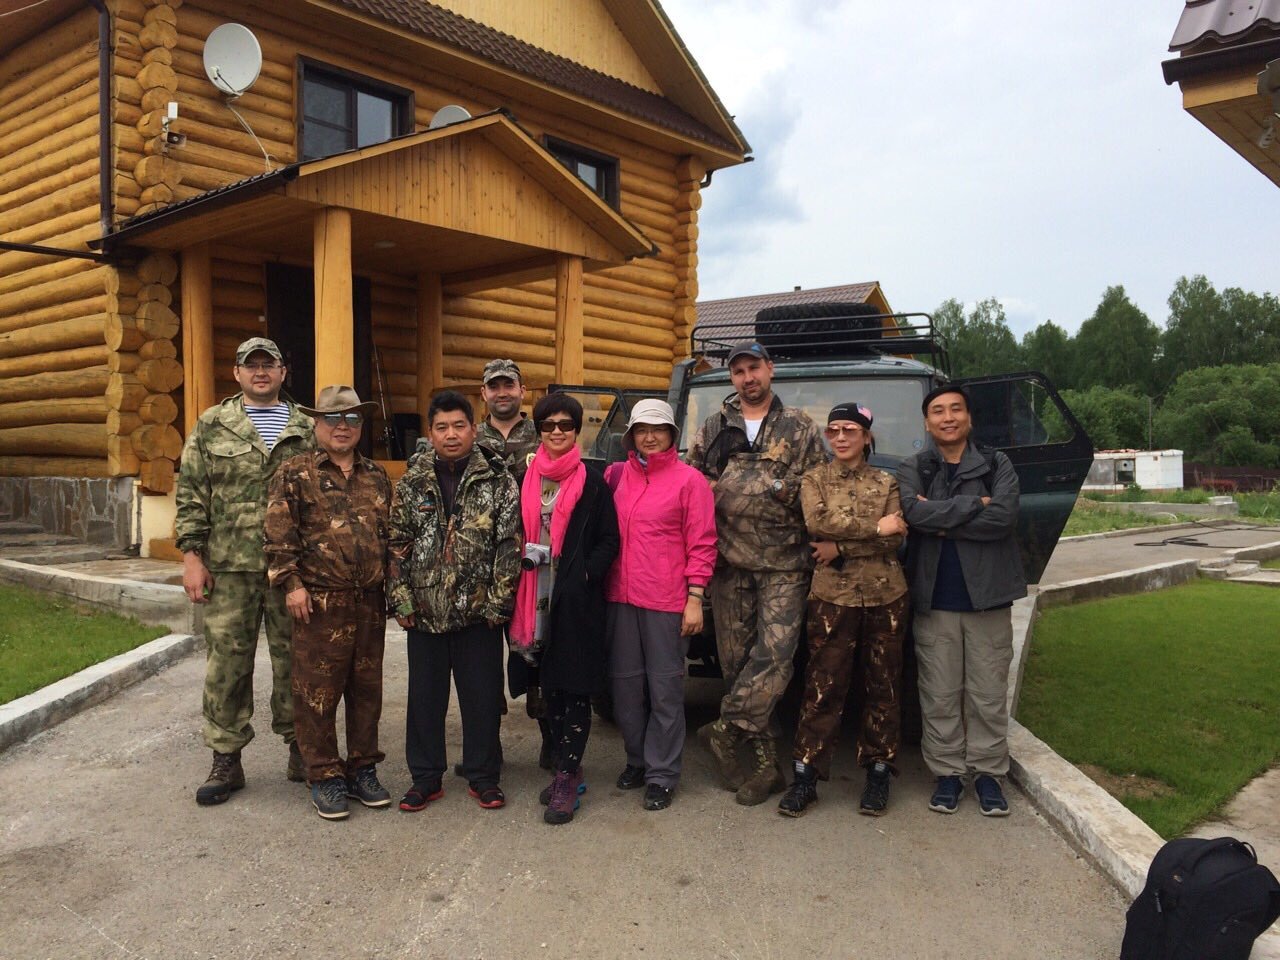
749 348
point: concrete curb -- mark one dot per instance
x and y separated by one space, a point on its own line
1128 532
160 603
1139 580
49 706
1263 551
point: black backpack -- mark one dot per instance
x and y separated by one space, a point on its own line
1204 900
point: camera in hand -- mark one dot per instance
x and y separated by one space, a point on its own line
535 555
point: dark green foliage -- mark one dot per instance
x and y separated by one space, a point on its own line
980 343
1208 329
1116 347
1228 415
1050 350
1114 419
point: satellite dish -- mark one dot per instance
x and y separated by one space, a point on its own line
232 58
447 115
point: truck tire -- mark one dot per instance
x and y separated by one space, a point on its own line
778 331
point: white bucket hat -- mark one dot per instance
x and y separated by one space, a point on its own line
654 413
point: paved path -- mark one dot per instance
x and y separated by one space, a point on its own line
103 853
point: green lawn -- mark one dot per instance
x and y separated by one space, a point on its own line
1272 564
44 638
1084 520
1170 699
1257 506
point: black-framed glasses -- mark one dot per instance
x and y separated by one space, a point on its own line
351 419
551 426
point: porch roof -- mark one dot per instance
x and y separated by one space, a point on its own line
479 202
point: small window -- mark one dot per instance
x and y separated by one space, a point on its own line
340 110
597 170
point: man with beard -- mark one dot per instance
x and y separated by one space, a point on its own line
506 431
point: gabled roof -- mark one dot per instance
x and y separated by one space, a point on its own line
1206 22
744 309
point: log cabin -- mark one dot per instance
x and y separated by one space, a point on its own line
153 214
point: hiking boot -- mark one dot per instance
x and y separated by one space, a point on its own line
631 777
329 797
765 778
544 797
225 775
364 786
991 801
657 797
875 795
802 794
722 740
946 795
296 770
418 796
565 797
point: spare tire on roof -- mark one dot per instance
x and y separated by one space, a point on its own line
817 329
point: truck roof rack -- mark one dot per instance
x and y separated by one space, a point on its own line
829 337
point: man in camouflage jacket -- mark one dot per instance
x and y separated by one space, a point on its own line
455 556
505 430
755 450
227 464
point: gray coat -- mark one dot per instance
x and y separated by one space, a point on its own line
984 536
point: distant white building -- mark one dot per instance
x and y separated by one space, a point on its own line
1113 470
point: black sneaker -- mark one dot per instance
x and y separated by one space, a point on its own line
364 786
329 797
946 795
991 801
875 795
802 794
657 797
631 778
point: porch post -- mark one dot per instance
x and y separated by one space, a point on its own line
197 334
569 365
430 345
335 324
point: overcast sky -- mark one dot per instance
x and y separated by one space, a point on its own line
1029 151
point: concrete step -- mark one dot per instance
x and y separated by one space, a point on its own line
28 541
11 527
1224 568
1267 578
56 554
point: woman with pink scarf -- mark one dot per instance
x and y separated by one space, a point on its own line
571 538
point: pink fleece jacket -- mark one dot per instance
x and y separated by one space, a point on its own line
667 519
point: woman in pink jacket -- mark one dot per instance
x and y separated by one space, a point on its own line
666 518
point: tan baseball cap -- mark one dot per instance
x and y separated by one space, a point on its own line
254 344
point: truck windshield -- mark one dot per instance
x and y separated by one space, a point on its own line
894 403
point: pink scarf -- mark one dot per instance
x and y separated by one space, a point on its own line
568 471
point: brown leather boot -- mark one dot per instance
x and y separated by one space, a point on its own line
764 779
225 775
723 739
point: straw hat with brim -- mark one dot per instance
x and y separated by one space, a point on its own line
656 413
338 399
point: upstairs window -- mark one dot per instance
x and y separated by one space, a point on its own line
597 170
340 110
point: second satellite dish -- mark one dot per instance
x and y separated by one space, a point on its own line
232 58
447 115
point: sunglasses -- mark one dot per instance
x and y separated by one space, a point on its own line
551 426
338 419
833 432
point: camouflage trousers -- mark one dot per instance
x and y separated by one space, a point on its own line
837 635
237 607
338 655
759 616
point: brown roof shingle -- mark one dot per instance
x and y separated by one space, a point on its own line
451 28
743 310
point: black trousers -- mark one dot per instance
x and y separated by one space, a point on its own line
474 656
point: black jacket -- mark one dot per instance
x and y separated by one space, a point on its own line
574 657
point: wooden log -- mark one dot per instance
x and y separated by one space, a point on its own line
690 169
334 346
213 113
49 337
70 34
156 349
688 200
243 296
160 408
157 292
158 267
19 287
87 382
48 118
156 440
121 423
122 333
156 196
124 392
191 81
158 55
56 439
53 467
230 161
249 273
666 193
156 320
627 381
123 362
60 150
122 282
40 232
53 79
122 461
58 410
59 360
157 476
160 375
568 332
430 343
78 175
642 368
77 239
153 170
160 13
56 311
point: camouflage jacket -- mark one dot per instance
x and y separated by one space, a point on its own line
759 523
515 450
324 530
451 572
843 506
222 484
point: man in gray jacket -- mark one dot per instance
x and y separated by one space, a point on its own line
963 566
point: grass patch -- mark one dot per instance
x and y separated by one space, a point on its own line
1174 695
1085 520
1257 506
1271 564
45 638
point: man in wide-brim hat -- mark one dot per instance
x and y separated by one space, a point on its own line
326 544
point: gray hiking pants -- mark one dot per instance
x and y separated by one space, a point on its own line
646 656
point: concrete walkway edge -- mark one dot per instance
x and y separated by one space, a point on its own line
48 706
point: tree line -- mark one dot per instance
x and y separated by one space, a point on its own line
1207 383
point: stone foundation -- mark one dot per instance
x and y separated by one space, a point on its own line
97 511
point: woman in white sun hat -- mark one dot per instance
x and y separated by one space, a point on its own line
666 519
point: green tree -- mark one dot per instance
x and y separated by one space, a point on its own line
1114 419
1049 349
1226 415
1116 347
1207 328
980 343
